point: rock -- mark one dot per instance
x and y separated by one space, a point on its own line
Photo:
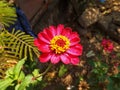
104 22
89 17
116 18
110 25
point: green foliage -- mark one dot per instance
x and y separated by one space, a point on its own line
114 83
26 81
17 79
7 13
14 72
18 68
14 46
5 83
1 43
100 72
100 68
18 44
5 63
37 78
11 75
62 70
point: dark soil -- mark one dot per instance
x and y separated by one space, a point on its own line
71 13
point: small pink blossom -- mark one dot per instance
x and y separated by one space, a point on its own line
116 64
107 45
59 44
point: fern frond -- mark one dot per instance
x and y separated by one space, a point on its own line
7 13
5 63
2 44
19 44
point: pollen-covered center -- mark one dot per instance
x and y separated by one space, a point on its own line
59 44
108 44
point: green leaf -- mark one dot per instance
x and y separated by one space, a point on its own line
25 82
37 77
36 81
90 54
19 44
7 13
9 72
62 70
18 67
21 76
35 72
17 86
110 85
5 83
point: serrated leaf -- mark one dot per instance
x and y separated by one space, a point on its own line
62 70
5 83
18 67
37 80
25 82
9 72
21 76
35 72
17 86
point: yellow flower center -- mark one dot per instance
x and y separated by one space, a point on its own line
59 44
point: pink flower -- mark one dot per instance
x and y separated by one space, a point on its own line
116 64
107 45
59 44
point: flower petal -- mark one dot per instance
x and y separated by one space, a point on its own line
75 61
44 48
74 35
53 30
60 27
66 32
36 42
65 58
42 37
74 41
41 46
55 59
48 33
45 57
76 50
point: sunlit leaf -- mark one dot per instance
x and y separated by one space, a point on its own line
62 70
25 82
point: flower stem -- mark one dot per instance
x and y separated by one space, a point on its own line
50 65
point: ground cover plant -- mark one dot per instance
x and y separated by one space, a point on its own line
62 56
